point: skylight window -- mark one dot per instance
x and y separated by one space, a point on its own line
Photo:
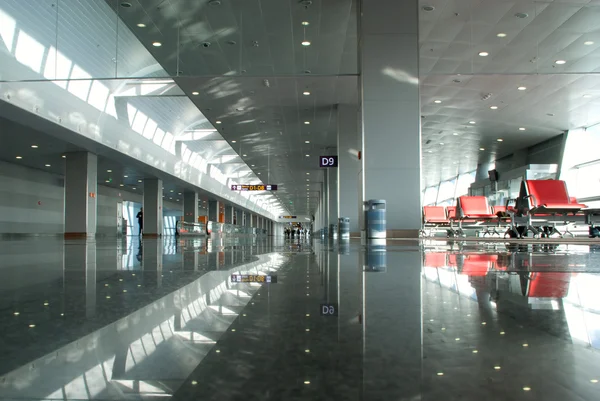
30 52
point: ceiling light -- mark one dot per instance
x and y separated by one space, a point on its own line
156 44
455 133
125 176
526 388
442 143
254 165
195 93
233 141
521 129
307 155
64 156
218 122
307 122
125 4
588 43
19 157
594 381
428 9
587 96
521 15
437 101
497 368
499 139
307 173
440 374
481 148
306 141
471 122
560 62
141 25
501 35
121 185
47 165
244 155
483 54
306 93
141 181
494 107
522 88
34 146
258 173
305 43
305 23
109 171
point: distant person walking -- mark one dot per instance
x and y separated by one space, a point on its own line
140 217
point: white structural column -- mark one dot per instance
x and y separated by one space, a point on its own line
325 203
81 183
348 165
332 182
391 132
190 207
153 207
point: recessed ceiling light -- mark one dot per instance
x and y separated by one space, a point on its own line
125 176
500 139
258 173
307 155
305 23
141 181
471 122
34 146
588 43
437 101
305 43
526 388
233 141
455 133
521 129
307 122
18 157
442 143
306 93
254 165
47 165
307 173
521 15
484 54
109 171
560 62
481 148
64 156
494 107
244 155
121 185
306 141
195 93
522 88
218 122
156 44
428 9
501 35
141 25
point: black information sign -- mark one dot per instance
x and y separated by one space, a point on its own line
258 187
329 310
253 278
328 161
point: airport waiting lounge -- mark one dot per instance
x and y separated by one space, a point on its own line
299 200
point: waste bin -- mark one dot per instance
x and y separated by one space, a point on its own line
344 228
333 231
375 220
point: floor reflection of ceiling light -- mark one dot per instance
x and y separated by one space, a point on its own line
526 388
440 373
475 351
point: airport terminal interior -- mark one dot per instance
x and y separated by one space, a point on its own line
300 200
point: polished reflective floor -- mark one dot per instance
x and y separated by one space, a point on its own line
186 319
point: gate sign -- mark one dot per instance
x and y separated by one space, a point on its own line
329 309
328 161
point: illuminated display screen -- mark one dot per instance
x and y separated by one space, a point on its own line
288 217
252 278
258 187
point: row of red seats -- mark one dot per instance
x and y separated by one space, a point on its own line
536 198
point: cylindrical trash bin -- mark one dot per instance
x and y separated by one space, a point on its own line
375 220
333 231
344 228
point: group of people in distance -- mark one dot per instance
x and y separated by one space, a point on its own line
291 232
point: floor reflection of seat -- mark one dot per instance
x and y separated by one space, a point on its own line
435 259
549 285
478 264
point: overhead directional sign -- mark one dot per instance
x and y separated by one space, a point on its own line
328 161
288 217
257 187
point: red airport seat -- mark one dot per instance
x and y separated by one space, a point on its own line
474 207
547 197
435 215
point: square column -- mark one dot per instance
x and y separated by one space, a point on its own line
214 209
236 217
81 187
390 110
348 165
190 207
153 207
325 202
332 181
229 214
